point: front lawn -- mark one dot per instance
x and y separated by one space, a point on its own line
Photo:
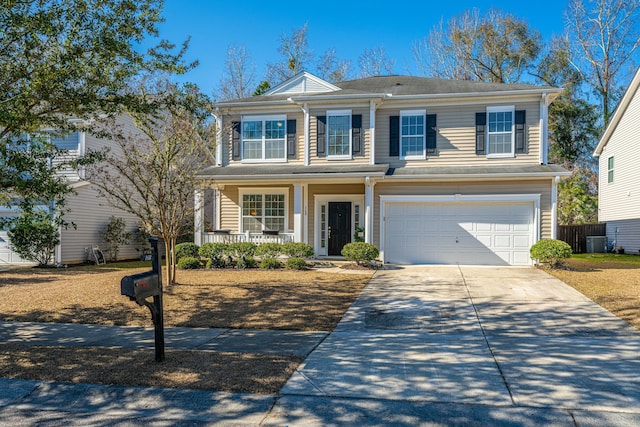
611 280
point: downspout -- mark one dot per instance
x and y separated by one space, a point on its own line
218 156
307 143
544 129
554 207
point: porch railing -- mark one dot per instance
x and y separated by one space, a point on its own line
257 238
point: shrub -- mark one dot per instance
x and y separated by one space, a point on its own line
115 235
269 250
210 250
551 252
34 237
360 252
270 263
246 262
296 263
188 263
186 250
297 250
242 249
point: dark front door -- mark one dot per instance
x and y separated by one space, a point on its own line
339 226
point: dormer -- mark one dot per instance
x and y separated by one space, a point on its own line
302 83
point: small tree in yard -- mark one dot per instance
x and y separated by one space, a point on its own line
360 252
550 252
34 236
115 236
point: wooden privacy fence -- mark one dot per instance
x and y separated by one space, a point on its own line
576 235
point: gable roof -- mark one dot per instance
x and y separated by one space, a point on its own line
617 115
307 87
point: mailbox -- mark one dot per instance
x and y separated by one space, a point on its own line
140 286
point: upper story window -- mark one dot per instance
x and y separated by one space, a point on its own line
263 138
412 134
500 135
610 169
339 134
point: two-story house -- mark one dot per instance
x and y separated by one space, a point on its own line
619 156
429 170
88 214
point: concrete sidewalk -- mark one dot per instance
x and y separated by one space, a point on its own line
420 346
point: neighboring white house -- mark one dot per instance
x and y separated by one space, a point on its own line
88 213
619 178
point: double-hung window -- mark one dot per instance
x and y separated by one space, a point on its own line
339 134
263 211
263 138
500 131
412 134
610 170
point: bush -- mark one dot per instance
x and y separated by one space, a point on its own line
269 250
34 237
188 263
186 250
115 235
270 263
297 250
296 263
210 250
242 249
360 252
551 252
246 262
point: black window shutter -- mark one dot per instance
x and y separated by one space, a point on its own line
321 142
481 122
431 133
356 135
394 136
521 143
235 141
291 139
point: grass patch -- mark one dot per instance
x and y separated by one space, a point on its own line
233 372
611 280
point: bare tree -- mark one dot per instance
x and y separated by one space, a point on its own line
605 36
375 62
495 47
296 55
333 69
238 77
152 172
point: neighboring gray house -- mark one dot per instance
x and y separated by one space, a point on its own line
619 179
87 211
429 170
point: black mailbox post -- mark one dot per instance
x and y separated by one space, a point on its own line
139 287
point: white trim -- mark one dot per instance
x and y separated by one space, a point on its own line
339 113
460 198
499 109
264 190
305 234
411 113
554 208
298 212
372 132
307 137
302 78
320 199
263 119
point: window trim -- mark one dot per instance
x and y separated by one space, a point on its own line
263 119
335 113
497 109
263 191
410 113
610 169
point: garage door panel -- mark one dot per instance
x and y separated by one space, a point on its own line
465 233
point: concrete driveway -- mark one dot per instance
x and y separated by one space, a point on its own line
468 345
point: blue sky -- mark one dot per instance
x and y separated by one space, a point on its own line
348 26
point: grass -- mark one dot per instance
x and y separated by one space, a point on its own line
611 280
252 299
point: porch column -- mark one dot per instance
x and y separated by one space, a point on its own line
298 213
368 209
198 216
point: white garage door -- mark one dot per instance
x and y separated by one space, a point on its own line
7 256
465 233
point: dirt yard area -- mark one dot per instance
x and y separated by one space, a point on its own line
613 281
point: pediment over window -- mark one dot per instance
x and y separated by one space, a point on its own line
302 83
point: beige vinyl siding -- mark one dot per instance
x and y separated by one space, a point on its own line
230 205
542 187
326 189
456 136
314 159
91 214
620 199
227 132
